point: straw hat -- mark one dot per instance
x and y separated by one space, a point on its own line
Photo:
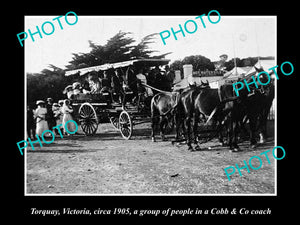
76 85
38 102
67 88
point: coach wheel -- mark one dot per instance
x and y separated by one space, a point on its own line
88 119
125 125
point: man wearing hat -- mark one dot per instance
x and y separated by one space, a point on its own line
170 76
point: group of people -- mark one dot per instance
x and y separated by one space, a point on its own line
95 86
47 115
118 82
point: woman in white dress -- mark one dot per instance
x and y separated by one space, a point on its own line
67 110
39 115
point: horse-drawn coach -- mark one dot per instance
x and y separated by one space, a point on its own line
123 111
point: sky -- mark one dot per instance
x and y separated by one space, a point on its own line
236 36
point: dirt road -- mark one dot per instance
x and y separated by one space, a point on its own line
107 164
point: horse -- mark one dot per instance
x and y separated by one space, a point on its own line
253 106
197 104
232 113
194 104
257 105
163 107
225 108
268 95
162 111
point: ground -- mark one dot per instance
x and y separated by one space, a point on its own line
107 164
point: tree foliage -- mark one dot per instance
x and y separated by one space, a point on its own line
48 83
51 81
117 49
199 62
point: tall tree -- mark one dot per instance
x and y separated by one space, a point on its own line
118 48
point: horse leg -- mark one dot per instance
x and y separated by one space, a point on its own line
179 123
154 121
217 122
229 131
220 134
234 133
263 132
263 127
187 124
231 136
252 123
162 127
153 129
196 121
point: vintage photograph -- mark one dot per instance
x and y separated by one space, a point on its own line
150 105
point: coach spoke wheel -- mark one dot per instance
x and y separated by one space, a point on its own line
125 125
88 119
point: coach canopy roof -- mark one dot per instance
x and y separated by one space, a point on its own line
142 62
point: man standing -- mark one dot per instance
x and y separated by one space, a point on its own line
31 126
170 76
50 116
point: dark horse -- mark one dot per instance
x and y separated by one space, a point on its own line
254 106
257 105
268 95
199 103
163 107
225 108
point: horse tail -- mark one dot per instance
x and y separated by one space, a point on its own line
153 105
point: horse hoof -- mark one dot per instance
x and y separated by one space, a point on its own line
262 141
197 148
153 140
235 150
225 143
191 149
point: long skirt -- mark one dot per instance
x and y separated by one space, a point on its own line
41 126
71 127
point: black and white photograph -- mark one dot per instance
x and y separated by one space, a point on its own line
151 114
154 116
